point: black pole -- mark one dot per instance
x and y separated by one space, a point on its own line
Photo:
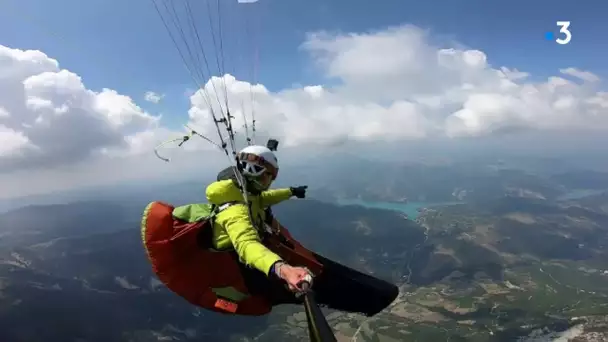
318 328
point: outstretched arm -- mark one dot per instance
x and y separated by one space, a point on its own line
272 197
245 238
276 196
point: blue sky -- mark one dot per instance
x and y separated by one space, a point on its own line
122 44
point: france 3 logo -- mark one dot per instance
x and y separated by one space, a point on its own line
564 35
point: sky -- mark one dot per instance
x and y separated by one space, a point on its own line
88 89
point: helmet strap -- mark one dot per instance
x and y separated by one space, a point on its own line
254 186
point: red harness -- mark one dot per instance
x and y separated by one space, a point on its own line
182 258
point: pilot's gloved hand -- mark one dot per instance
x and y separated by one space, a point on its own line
293 276
299 191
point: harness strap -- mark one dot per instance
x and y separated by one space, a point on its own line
268 228
224 206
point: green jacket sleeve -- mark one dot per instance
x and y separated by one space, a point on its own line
272 197
245 238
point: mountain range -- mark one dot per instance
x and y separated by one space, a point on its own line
519 260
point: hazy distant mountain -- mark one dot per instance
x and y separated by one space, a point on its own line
506 264
451 182
353 176
79 271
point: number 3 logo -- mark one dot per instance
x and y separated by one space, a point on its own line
564 29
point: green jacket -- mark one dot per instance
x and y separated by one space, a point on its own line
232 227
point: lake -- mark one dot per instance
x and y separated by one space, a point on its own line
410 208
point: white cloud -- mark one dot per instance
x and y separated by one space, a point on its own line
49 117
395 85
4 113
391 85
583 75
12 143
153 97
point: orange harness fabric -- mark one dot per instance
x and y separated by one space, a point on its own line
192 271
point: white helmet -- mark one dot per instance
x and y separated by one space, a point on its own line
256 160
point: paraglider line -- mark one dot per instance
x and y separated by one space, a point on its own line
177 23
219 18
200 44
217 56
227 118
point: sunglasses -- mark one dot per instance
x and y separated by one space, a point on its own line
262 163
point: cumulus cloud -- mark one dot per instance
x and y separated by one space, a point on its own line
153 97
394 85
391 85
48 117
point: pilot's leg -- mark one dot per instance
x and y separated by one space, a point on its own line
272 287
